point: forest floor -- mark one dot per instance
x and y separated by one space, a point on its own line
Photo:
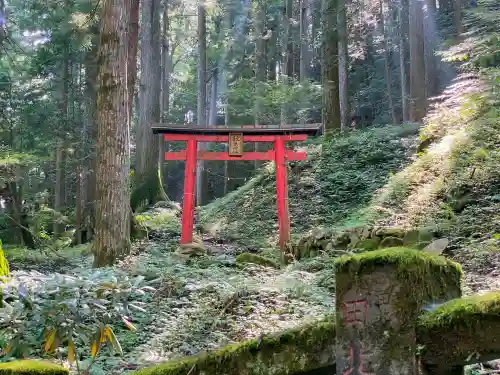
200 303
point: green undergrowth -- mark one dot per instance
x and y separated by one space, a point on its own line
340 177
245 258
454 185
46 259
480 45
289 352
462 312
30 367
452 182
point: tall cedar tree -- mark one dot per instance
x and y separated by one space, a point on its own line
118 43
331 102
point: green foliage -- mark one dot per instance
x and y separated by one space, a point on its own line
4 271
30 367
74 313
246 258
480 47
453 184
4 265
330 189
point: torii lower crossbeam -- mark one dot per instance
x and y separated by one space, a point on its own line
280 154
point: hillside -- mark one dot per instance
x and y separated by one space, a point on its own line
338 180
443 175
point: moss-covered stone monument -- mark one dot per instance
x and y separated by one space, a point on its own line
380 295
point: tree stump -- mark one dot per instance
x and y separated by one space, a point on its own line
379 297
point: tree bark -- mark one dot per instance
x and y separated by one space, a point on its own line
305 56
112 238
260 69
343 65
286 70
90 133
403 34
331 102
431 62
148 187
457 12
165 89
417 62
202 97
386 64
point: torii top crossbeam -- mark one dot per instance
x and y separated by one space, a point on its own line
307 129
236 136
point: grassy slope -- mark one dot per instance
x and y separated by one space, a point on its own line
340 178
454 183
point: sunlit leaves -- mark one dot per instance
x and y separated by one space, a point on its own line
129 325
77 314
50 341
71 352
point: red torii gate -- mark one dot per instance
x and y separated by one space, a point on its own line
236 136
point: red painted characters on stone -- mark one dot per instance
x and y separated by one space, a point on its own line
355 311
356 365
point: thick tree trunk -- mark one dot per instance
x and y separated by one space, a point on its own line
457 16
260 69
345 110
387 64
403 33
417 61
331 102
286 70
202 97
148 187
305 55
112 238
431 68
90 131
166 63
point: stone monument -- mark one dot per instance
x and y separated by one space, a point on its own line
379 297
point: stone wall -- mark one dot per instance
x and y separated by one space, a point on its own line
363 238
459 332
294 351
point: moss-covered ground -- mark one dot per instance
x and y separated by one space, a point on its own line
339 179
28 367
